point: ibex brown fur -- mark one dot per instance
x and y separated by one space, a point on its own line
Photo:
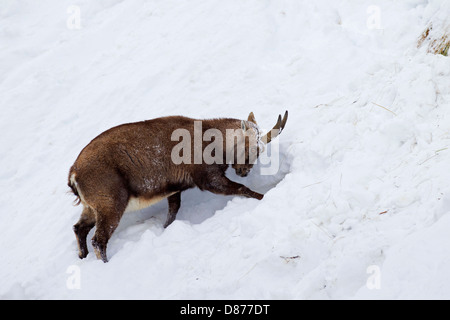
129 167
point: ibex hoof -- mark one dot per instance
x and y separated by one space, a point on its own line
100 251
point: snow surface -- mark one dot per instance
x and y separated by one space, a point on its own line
363 186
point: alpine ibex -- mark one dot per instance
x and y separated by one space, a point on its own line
134 165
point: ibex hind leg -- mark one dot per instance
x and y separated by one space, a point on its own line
107 219
82 228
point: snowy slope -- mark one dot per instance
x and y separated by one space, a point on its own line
364 158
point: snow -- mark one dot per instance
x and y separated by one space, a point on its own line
362 190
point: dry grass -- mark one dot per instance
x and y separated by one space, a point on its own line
379 105
438 42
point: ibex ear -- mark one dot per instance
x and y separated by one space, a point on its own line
251 118
243 127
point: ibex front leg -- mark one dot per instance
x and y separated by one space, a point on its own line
174 204
222 185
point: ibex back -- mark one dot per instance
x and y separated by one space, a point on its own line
131 166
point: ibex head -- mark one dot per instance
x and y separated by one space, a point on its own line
254 143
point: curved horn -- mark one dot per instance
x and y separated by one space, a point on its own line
276 130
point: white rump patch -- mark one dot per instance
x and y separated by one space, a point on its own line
74 183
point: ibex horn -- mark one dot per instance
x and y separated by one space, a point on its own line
279 126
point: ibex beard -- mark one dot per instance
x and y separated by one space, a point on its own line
134 165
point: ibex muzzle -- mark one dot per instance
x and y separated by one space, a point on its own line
132 166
